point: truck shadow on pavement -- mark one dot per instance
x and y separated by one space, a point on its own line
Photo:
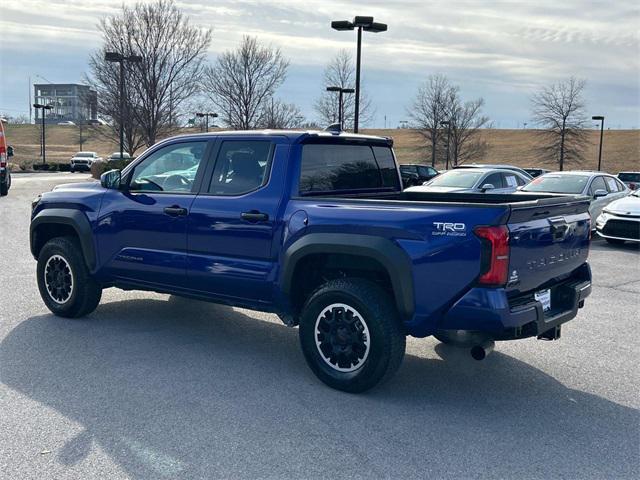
177 389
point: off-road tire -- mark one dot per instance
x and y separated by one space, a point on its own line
4 188
387 339
85 292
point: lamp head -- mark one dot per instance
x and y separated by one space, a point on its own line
342 25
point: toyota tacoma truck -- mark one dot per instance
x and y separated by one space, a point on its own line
316 228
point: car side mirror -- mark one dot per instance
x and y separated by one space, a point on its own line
111 179
9 151
600 193
487 186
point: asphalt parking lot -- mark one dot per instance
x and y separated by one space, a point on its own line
150 386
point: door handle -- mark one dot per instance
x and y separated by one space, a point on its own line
254 216
175 211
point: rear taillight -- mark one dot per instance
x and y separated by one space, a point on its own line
495 256
3 160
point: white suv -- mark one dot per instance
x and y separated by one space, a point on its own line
84 160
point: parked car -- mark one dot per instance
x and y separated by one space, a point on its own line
6 152
536 172
630 179
116 156
521 171
619 221
83 161
315 227
424 172
409 179
475 180
66 123
601 188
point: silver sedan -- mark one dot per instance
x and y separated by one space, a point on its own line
600 187
474 180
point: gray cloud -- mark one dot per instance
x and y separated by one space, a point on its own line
500 50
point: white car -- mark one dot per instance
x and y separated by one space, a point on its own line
116 156
84 160
619 221
474 180
67 122
601 187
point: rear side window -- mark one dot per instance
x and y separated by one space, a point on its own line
332 167
510 180
241 167
612 184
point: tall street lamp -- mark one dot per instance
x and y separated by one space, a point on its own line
601 118
368 25
43 107
206 115
340 91
447 123
120 58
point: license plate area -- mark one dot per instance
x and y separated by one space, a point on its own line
544 297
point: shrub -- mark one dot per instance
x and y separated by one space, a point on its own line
98 168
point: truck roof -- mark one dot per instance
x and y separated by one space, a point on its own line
295 136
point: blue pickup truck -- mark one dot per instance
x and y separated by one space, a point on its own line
315 227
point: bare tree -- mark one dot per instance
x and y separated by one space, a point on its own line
430 107
559 110
278 114
466 120
170 72
242 82
340 72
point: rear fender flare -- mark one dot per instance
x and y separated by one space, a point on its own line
384 251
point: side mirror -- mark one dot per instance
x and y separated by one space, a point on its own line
9 151
487 186
600 193
111 179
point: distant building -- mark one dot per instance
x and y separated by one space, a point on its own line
70 101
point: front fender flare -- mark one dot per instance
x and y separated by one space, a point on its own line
66 216
385 251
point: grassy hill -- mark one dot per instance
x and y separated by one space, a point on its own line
621 148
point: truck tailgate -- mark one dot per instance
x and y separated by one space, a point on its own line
548 241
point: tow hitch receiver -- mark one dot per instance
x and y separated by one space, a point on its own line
551 334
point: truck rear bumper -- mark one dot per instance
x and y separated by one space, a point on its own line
505 317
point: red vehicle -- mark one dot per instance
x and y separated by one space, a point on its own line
5 152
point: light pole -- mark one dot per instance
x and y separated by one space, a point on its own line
368 25
120 58
206 116
601 118
43 107
447 123
340 91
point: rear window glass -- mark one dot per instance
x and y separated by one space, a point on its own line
551 183
629 177
332 167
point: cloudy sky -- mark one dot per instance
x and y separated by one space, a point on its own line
502 51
